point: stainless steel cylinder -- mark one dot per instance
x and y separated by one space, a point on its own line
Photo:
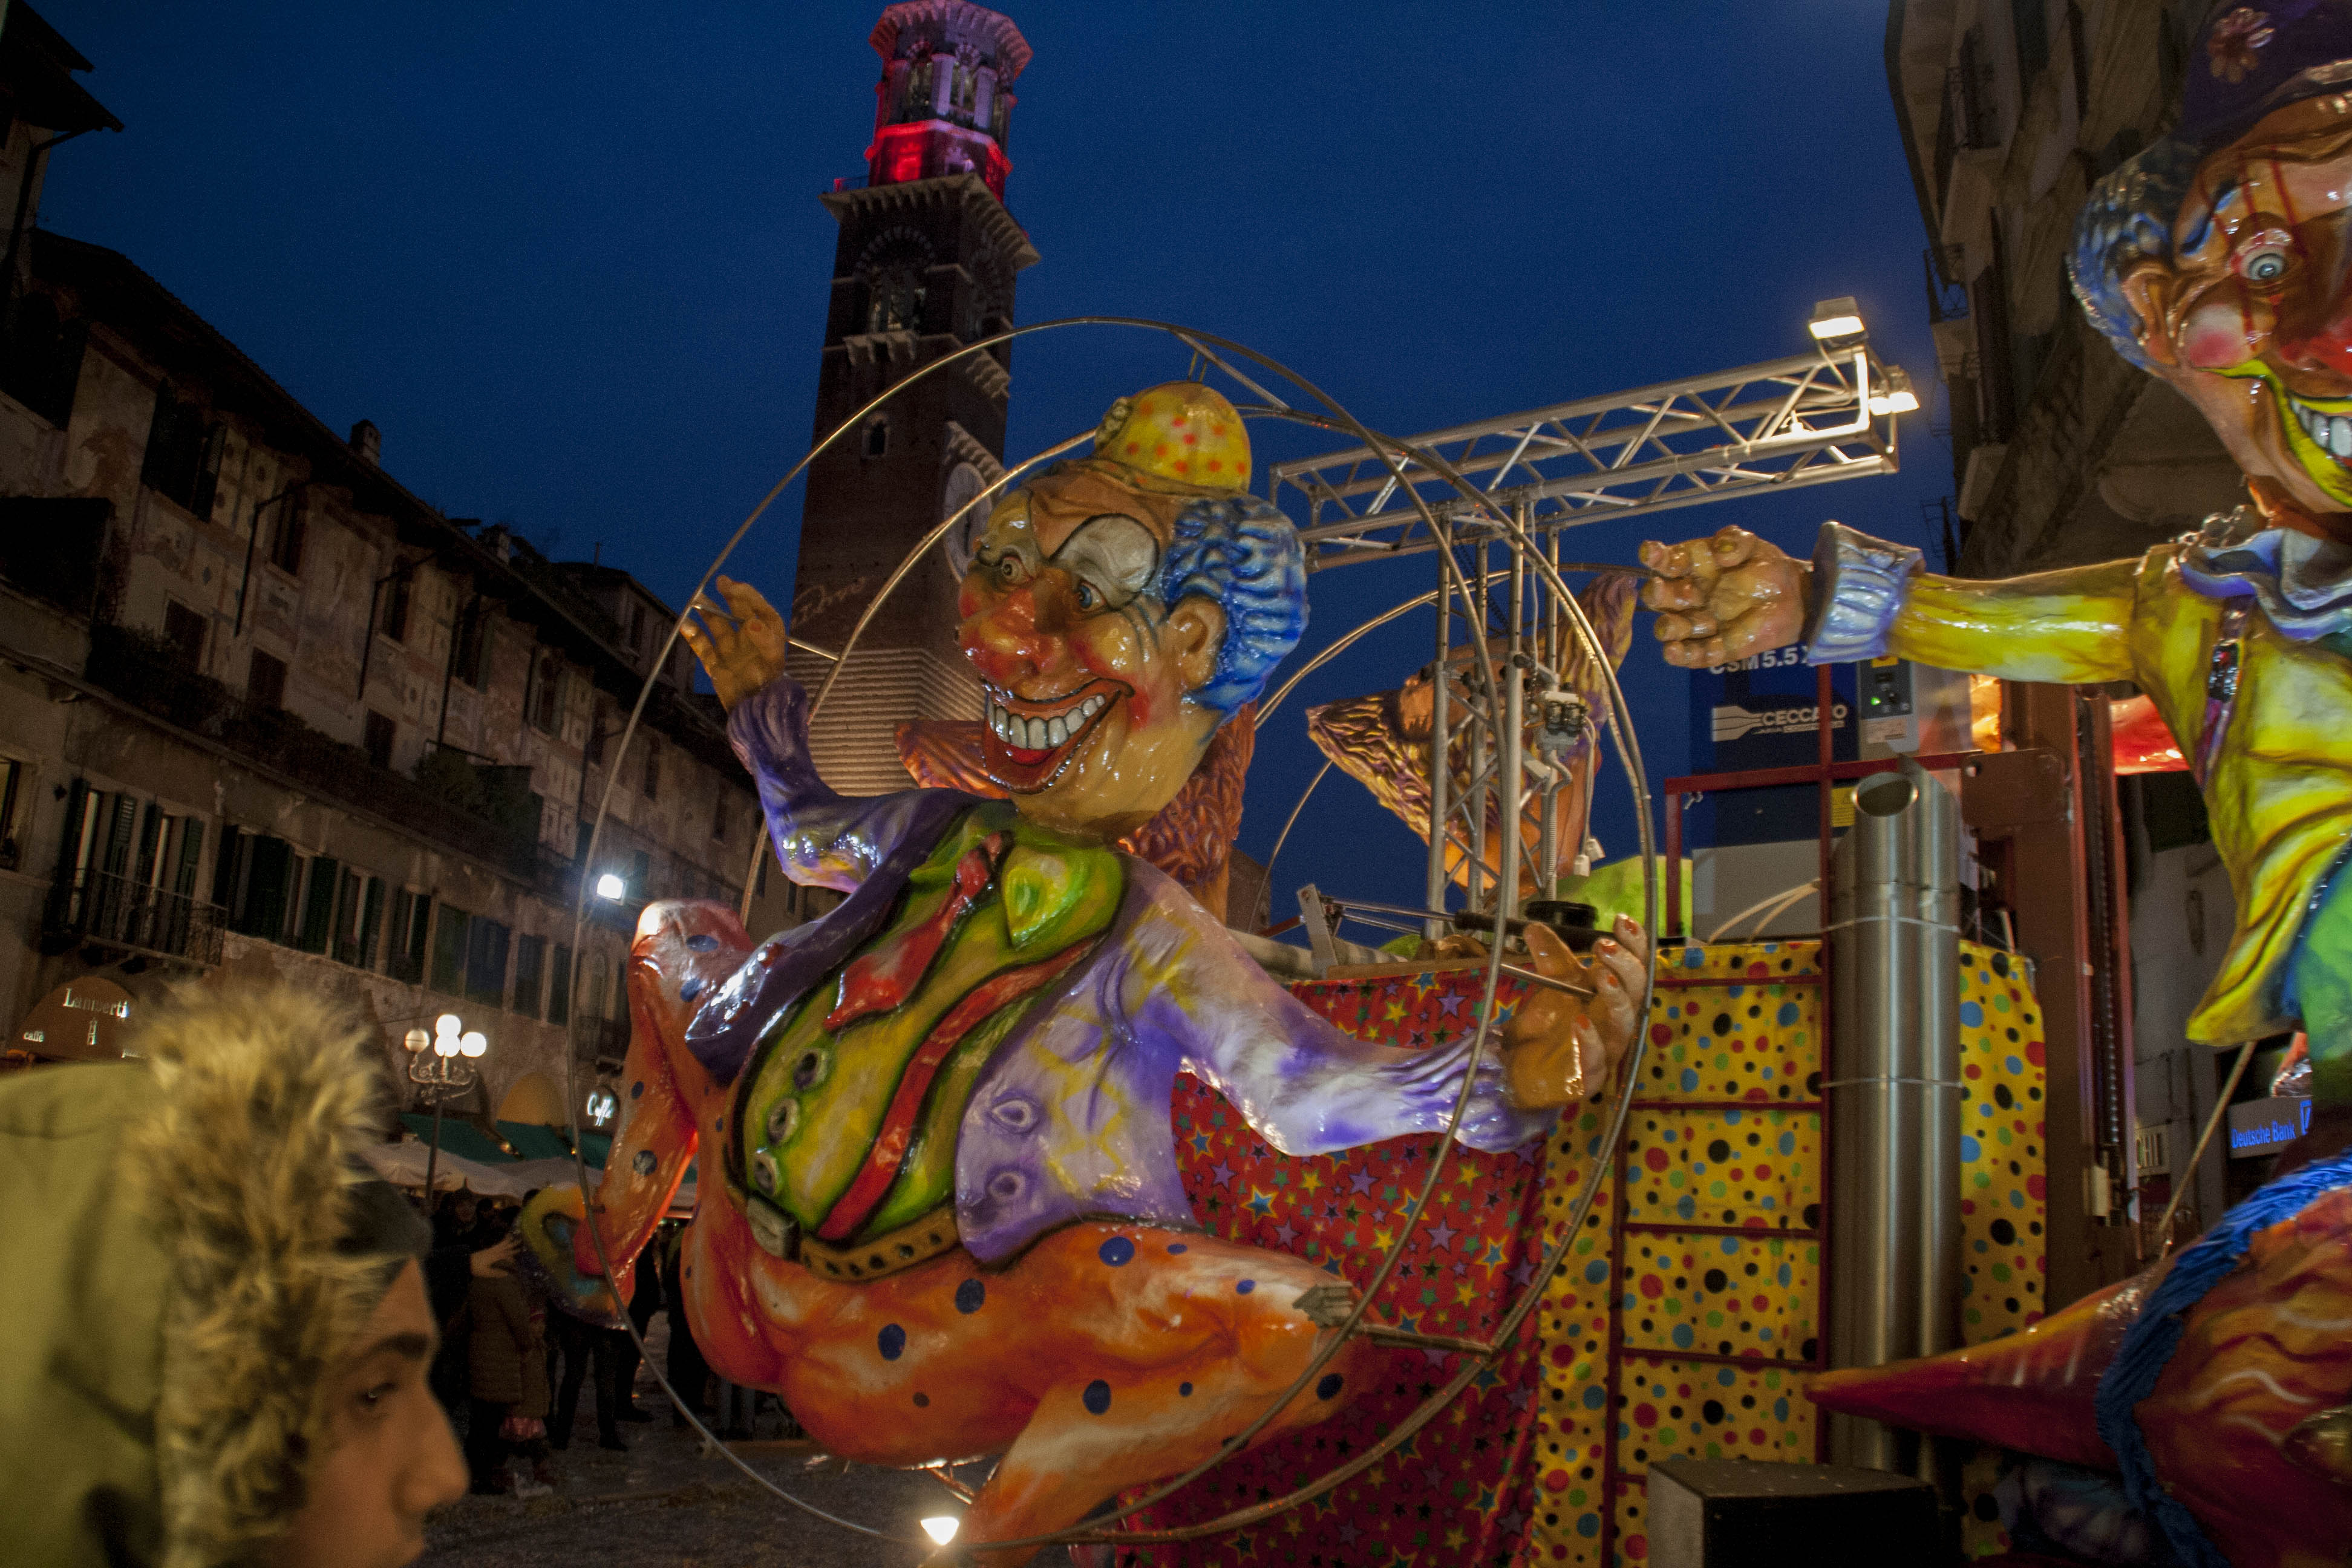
1893 1094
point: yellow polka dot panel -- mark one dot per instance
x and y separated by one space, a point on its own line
1721 1295
1727 1167
2004 1091
1685 1316
1755 1038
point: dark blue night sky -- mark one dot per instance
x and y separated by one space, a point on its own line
572 261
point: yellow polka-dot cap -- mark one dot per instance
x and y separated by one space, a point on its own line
1179 434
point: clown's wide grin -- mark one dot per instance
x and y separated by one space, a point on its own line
1033 738
2318 436
2330 429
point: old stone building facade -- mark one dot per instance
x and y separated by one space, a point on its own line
262 708
2009 109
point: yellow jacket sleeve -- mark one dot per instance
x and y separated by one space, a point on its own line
2070 625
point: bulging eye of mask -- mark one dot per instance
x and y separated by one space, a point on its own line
1114 556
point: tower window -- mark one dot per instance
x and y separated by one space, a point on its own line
876 437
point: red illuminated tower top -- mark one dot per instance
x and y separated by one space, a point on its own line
945 97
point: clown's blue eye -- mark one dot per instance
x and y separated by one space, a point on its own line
1088 598
2264 258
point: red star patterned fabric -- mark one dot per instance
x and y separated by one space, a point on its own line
1456 1491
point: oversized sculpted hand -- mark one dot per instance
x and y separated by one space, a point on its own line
739 642
1558 1048
1724 598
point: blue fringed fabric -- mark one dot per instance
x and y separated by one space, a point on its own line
2148 1344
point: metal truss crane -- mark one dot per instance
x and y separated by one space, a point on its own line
1810 418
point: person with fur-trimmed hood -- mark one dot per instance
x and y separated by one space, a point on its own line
217 1324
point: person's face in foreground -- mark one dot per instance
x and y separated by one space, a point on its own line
390 1458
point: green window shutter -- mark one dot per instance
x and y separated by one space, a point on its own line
530 974
264 890
192 853
449 951
319 905
486 962
559 986
123 824
370 922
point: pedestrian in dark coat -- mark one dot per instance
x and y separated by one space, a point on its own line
507 1367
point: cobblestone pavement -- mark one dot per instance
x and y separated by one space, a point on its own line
667 1503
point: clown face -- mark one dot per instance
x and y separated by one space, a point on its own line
2251 319
1089 719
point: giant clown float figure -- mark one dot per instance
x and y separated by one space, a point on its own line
939 1204
2218 1384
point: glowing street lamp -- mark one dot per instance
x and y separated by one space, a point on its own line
941 1527
610 887
442 1064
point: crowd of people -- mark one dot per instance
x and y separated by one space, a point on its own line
510 1372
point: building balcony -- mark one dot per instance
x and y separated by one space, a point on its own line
449 803
117 911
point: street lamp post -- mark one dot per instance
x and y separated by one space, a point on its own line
446 1069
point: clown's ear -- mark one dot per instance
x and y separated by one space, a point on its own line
2151 288
1195 635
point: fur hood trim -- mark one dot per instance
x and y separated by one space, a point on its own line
244 1159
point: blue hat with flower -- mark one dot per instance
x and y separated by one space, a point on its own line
2246 62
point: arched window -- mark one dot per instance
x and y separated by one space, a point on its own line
875 439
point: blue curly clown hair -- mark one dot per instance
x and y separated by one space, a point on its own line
1244 554
2127 220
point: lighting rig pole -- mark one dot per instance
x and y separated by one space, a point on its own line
446 1069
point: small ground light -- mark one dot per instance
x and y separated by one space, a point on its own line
609 886
941 1527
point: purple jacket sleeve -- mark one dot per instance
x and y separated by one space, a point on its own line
822 839
1305 1085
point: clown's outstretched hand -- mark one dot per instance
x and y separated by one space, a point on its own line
740 641
1559 1049
1724 598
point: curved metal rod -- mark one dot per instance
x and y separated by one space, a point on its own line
1292 820
841 658
1338 1336
923 548
1412 1218
1337 647
1637 779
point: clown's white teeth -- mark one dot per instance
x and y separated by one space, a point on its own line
2331 433
1039 734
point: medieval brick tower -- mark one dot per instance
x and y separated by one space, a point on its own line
925 264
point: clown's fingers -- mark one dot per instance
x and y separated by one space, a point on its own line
1683 574
1549 955
718 628
751 606
1733 545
